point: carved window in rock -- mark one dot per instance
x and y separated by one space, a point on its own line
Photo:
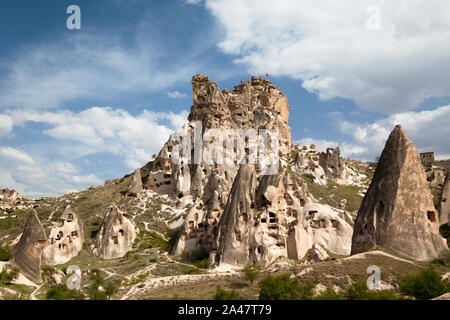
60 222
69 238
443 199
59 235
74 233
311 214
115 239
302 202
70 217
121 232
431 215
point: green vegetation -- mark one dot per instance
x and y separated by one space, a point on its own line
359 291
223 294
329 294
199 258
97 222
8 275
5 253
8 223
251 272
333 193
284 287
61 292
99 289
427 284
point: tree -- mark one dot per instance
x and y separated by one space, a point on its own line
251 272
427 284
284 287
61 292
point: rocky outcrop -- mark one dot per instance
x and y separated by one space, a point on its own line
26 254
136 184
65 240
444 202
397 211
331 162
115 236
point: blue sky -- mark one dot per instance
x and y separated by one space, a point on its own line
81 106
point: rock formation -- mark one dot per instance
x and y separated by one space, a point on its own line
115 236
397 211
65 240
136 185
26 254
260 213
444 202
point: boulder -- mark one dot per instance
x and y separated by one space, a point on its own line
26 254
115 236
297 242
65 240
397 211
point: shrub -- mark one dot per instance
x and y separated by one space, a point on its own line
427 284
222 294
284 288
251 272
204 263
61 292
199 258
329 294
97 222
8 275
359 291
7 223
5 253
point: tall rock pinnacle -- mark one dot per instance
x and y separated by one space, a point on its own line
397 212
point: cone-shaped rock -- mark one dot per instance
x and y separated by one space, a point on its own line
444 202
236 223
26 255
65 240
397 212
115 236
136 185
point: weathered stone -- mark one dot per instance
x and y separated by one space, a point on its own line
115 236
397 211
65 240
318 254
136 185
444 202
297 242
26 254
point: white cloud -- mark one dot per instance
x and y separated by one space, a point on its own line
40 177
86 66
6 124
193 1
176 95
328 45
428 130
115 131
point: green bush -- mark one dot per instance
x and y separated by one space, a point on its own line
61 292
97 222
427 284
200 258
7 223
8 275
204 263
251 272
284 288
222 294
329 294
359 291
109 288
5 253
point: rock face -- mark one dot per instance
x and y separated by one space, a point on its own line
444 202
26 255
115 236
397 211
241 211
136 185
65 240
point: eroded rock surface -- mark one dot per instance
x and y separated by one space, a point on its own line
65 240
26 254
444 202
397 211
115 236
136 184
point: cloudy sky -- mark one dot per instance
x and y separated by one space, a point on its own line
81 106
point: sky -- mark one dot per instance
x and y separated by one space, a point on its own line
78 106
